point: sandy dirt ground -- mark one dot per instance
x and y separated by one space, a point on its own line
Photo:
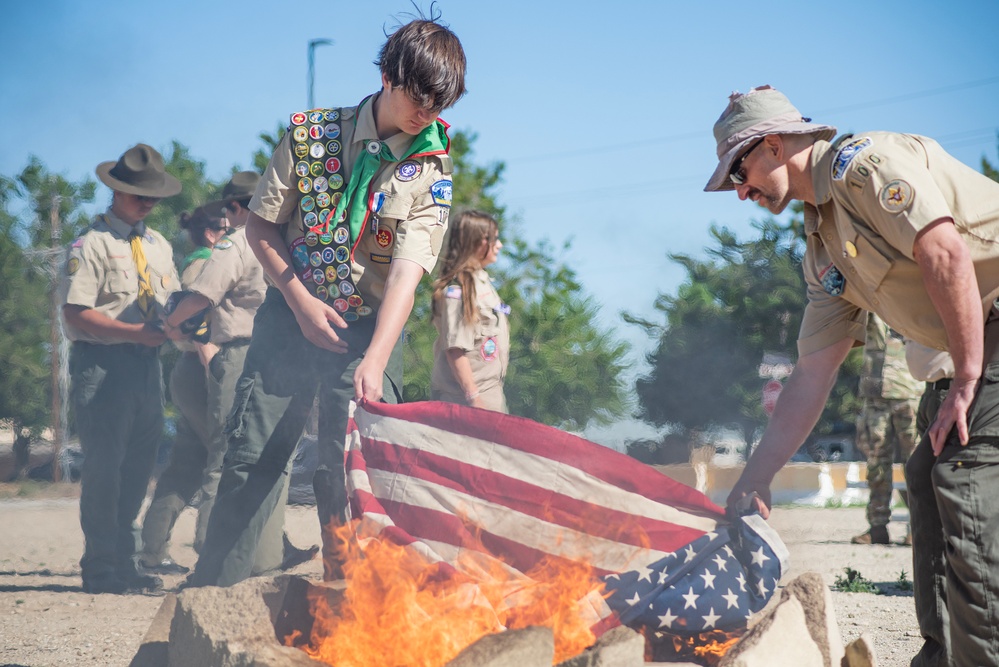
46 619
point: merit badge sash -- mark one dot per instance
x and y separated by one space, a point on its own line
321 258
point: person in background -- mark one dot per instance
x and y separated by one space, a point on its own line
118 276
180 480
886 426
472 350
347 218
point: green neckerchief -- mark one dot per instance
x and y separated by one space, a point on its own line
200 253
432 140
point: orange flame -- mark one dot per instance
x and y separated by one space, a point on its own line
399 609
707 648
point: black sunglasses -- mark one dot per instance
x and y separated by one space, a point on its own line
736 174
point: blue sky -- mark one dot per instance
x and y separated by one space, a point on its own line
602 112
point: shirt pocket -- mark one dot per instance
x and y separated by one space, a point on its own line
395 206
871 264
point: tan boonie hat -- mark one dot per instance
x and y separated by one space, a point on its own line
241 186
139 171
761 111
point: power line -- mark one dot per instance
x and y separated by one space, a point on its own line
618 147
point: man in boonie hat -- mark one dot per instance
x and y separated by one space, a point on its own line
898 227
117 278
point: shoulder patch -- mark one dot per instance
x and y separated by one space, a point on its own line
895 196
223 244
441 192
72 266
846 154
408 170
452 292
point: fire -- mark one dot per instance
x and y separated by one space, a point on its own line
399 609
707 648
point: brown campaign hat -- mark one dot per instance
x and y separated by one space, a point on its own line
139 171
241 186
761 111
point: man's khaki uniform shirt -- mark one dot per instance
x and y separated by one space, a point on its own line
874 194
486 342
411 225
233 280
100 273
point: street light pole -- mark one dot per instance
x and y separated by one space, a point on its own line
313 43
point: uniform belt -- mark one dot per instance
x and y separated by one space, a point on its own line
235 342
939 385
129 348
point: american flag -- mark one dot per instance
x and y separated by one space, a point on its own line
447 481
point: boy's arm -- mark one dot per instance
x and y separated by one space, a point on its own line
397 303
315 318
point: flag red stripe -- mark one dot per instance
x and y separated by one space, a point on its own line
529 499
527 436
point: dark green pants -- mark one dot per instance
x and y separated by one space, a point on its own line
117 397
281 378
954 514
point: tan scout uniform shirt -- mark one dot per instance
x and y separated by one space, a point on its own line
100 273
411 225
486 342
233 280
190 272
926 363
874 195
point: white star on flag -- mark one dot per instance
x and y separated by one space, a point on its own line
644 573
720 562
663 576
759 557
709 580
635 600
762 588
710 619
742 582
732 599
666 620
689 553
691 598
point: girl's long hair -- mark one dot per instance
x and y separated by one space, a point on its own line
463 258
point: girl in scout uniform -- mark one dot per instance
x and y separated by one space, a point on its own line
473 339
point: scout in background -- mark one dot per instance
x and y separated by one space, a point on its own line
473 338
118 277
348 217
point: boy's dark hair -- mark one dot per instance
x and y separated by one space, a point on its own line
427 61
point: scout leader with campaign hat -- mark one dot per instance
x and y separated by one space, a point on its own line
898 227
117 277
347 218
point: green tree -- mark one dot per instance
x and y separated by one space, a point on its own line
989 170
742 302
563 370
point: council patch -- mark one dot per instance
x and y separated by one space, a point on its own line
846 154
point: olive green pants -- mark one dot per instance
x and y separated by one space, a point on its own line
203 401
117 399
954 514
281 378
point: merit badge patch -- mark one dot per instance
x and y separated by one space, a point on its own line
489 349
833 281
408 170
300 134
441 192
452 292
223 244
298 118
72 266
896 196
846 154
